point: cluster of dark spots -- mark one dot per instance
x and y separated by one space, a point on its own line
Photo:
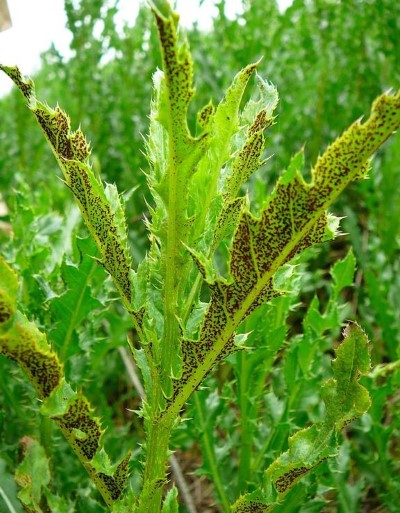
122 472
5 344
102 220
190 362
252 507
25 86
78 183
349 421
229 215
56 126
347 158
178 74
44 119
110 484
199 265
139 316
78 418
80 146
248 71
62 128
43 368
267 294
246 162
6 311
215 319
260 123
286 480
228 349
206 114
193 355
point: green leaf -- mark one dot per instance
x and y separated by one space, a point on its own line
33 475
315 320
174 154
72 412
226 119
58 504
248 158
294 218
344 397
343 273
170 504
345 400
77 302
101 209
24 343
162 7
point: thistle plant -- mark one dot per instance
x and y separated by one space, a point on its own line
186 299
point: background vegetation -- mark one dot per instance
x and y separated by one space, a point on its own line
329 60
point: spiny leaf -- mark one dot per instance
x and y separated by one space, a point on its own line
175 91
259 116
101 210
344 397
22 342
25 344
174 154
226 118
246 161
345 400
293 219
221 124
236 144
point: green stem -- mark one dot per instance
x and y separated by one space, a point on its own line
171 328
154 477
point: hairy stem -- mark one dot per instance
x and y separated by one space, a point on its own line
154 477
173 461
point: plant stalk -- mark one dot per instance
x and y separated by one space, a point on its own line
155 471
